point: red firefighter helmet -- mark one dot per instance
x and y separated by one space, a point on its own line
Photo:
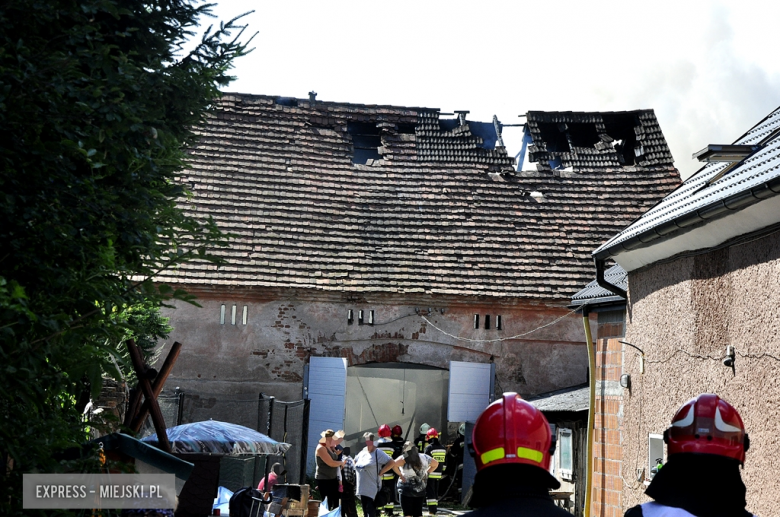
384 431
432 433
708 424
397 431
511 430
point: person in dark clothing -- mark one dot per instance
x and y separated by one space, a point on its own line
706 446
512 446
438 452
398 439
388 446
422 439
453 467
397 444
349 483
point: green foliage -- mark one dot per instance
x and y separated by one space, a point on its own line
147 327
97 106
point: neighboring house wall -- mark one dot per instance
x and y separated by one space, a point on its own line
284 329
607 485
577 423
684 313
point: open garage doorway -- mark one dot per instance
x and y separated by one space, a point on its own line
395 394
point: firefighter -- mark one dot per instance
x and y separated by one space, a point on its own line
386 445
422 439
398 439
512 446
438 452
455 459
705 447
398 445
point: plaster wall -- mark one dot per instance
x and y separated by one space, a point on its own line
284 329
683 314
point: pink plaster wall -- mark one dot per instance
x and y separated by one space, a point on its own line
683 314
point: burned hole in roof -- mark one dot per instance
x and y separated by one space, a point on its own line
583 135
448 124
366 141
554 136
406 128
286 101
621 128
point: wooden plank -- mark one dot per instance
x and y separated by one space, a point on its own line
157 386
146 388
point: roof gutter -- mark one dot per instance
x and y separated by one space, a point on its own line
668 229
603 282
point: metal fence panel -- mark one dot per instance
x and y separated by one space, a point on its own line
235 409
282 421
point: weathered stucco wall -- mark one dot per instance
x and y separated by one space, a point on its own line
683 314
283 329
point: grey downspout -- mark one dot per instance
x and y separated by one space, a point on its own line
603 282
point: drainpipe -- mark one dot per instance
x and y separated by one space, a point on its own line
591 406
603 282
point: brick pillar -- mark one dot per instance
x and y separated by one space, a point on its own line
607 448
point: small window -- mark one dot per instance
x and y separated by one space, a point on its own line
499 323
476 321
233 315
244 316
360 317
655 454
567 453
370 317
487 321
222 314
350 319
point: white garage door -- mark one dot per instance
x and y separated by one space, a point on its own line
471 390
327 389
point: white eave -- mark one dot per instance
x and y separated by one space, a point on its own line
748 220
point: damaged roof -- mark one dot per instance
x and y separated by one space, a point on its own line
593 140
347 197
718 189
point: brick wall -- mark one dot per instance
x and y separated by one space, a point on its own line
283 328
606 498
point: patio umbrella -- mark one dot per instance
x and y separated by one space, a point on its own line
214 437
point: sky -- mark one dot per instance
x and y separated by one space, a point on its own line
707 68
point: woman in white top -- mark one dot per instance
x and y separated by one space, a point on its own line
413 469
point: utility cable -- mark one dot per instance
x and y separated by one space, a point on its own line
759 356
498 339
693 356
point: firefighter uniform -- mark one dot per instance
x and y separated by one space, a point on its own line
706 446
421 442
422 439
387 446
438 452
512 447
